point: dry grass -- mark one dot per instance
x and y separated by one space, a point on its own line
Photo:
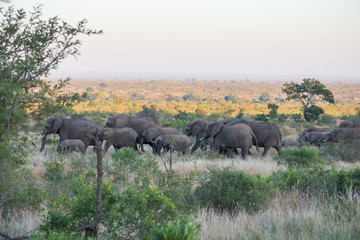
289 216
19 223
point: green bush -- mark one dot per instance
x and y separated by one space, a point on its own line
302 157
226 189
19 188
179 229
327 120
313 113
261 117
282 117
69 210
341 151
128 167
59 236
136 212
318 181
179 189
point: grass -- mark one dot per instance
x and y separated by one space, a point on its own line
290 216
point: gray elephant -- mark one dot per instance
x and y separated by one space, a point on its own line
179 143
73 145
118 138
196 129
139 124
313 137
349 125
229 137
152 133
268 135
341 134
311 129
66 128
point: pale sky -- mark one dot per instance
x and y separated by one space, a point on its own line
245 38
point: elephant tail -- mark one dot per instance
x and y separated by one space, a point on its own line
257 145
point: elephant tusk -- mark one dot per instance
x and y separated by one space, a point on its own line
201 138
44 135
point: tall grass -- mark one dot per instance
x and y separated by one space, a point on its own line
290 216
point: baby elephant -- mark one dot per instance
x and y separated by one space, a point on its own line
118 137
72 145
180 143
313 137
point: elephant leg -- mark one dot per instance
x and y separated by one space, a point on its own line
107 146
196 145
165 149
243 153
266 149
277 148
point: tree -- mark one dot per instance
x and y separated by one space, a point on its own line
274 108
30 48
309 92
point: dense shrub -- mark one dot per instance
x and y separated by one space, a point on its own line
261 117
302 157
341 151
318 181
179 229
226 189
136 212
313 113
327 120
128 167
19 188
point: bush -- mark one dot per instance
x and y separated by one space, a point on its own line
318 181
180 229
136 212
302 157
230 190
282 117
341 151
127 167
59 236
261 117
313 113
328 120
19 188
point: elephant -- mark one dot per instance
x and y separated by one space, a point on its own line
268 135
311 129
153 132
139 124
179 142
345 134
313 137
118 137
229 137
349 125
66 128
73 145
196 128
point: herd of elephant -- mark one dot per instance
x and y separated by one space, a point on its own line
223 136
347 131
126 131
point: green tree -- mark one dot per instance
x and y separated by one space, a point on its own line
309 92
30 48
274 108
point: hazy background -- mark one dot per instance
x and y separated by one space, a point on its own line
254 39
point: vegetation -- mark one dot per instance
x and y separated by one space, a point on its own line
308 93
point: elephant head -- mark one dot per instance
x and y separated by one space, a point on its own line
52 126
110 122
104 134
193 128
327 137
212 130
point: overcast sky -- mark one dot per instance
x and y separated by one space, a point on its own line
248 38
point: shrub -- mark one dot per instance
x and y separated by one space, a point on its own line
179 189
59 236
274 108
313 113
328 120
318 181
136 212
282 117
261 117
230 190
341 151
179 229
127 167
302 157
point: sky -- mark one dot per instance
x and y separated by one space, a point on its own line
212 39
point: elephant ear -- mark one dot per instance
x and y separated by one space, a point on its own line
215 129
57 122
198 127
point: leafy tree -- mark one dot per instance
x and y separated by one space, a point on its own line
30 48
308 93
273 112
265 97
